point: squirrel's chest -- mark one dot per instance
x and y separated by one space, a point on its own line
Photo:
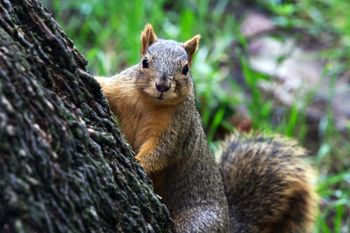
139 125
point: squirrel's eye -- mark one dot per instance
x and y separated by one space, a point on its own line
145 63
185 70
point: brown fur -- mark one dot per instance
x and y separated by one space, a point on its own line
191 46
143 122
148 37
267 184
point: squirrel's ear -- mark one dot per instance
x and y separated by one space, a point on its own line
148 37
191 46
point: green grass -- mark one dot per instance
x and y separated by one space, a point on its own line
107 33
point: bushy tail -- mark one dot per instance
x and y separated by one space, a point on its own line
268 185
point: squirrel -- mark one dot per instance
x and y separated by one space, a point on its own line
260 184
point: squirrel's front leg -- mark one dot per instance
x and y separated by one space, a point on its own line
150 156
155 141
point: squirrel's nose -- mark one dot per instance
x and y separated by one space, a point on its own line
162 87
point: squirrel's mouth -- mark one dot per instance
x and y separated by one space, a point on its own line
160 97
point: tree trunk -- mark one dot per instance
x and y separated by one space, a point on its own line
64 166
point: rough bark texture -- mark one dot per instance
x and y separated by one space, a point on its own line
64 166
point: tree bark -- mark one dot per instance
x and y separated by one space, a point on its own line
64 166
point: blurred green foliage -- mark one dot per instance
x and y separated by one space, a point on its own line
107 33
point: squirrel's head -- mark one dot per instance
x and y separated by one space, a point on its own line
165 67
